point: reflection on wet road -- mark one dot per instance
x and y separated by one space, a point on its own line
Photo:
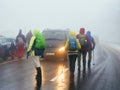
104 75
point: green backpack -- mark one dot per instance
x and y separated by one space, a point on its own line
40 41
82 40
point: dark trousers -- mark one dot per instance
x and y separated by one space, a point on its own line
38 78
72 60
83 55
89 58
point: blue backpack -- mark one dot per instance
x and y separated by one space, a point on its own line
72 45
90 38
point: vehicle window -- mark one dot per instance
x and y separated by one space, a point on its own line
54 35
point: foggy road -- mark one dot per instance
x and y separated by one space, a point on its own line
104 75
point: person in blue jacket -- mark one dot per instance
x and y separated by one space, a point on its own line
90 49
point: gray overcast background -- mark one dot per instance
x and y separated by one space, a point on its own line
102 17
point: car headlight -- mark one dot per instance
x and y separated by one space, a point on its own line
62 49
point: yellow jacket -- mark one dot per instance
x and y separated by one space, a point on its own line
32 42
66 45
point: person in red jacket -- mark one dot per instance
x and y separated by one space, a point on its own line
85 43
20 43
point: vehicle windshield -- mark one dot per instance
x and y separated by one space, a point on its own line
56 35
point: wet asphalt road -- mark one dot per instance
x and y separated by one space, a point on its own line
104 75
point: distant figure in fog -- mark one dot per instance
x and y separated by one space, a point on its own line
90 49
85 43
20 43
12 51
28 37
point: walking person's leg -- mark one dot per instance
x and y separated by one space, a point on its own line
84 53
39 72
79 61
72 61
89 58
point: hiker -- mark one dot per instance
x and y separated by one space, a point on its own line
72 46
20 43
12 50
28 37
36 48
90 49
85 42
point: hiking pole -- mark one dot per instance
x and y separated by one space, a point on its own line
93 58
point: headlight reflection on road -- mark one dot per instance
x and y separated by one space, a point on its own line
61 49
61 78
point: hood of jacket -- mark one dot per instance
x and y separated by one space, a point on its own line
82 31
36 31
72 34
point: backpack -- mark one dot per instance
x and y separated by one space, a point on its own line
72 45
20 40
40 41
90 38
82 40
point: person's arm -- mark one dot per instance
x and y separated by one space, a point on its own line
66 45
79 45
31 44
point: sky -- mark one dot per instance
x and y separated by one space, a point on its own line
101 17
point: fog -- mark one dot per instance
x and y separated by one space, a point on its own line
101 17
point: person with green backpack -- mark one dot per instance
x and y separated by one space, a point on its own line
36 48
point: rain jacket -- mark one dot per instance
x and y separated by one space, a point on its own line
34 52
22 36
82 32
67 42
91 40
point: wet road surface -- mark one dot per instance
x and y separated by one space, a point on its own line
104 75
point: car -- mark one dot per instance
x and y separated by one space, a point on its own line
4 47
55 42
